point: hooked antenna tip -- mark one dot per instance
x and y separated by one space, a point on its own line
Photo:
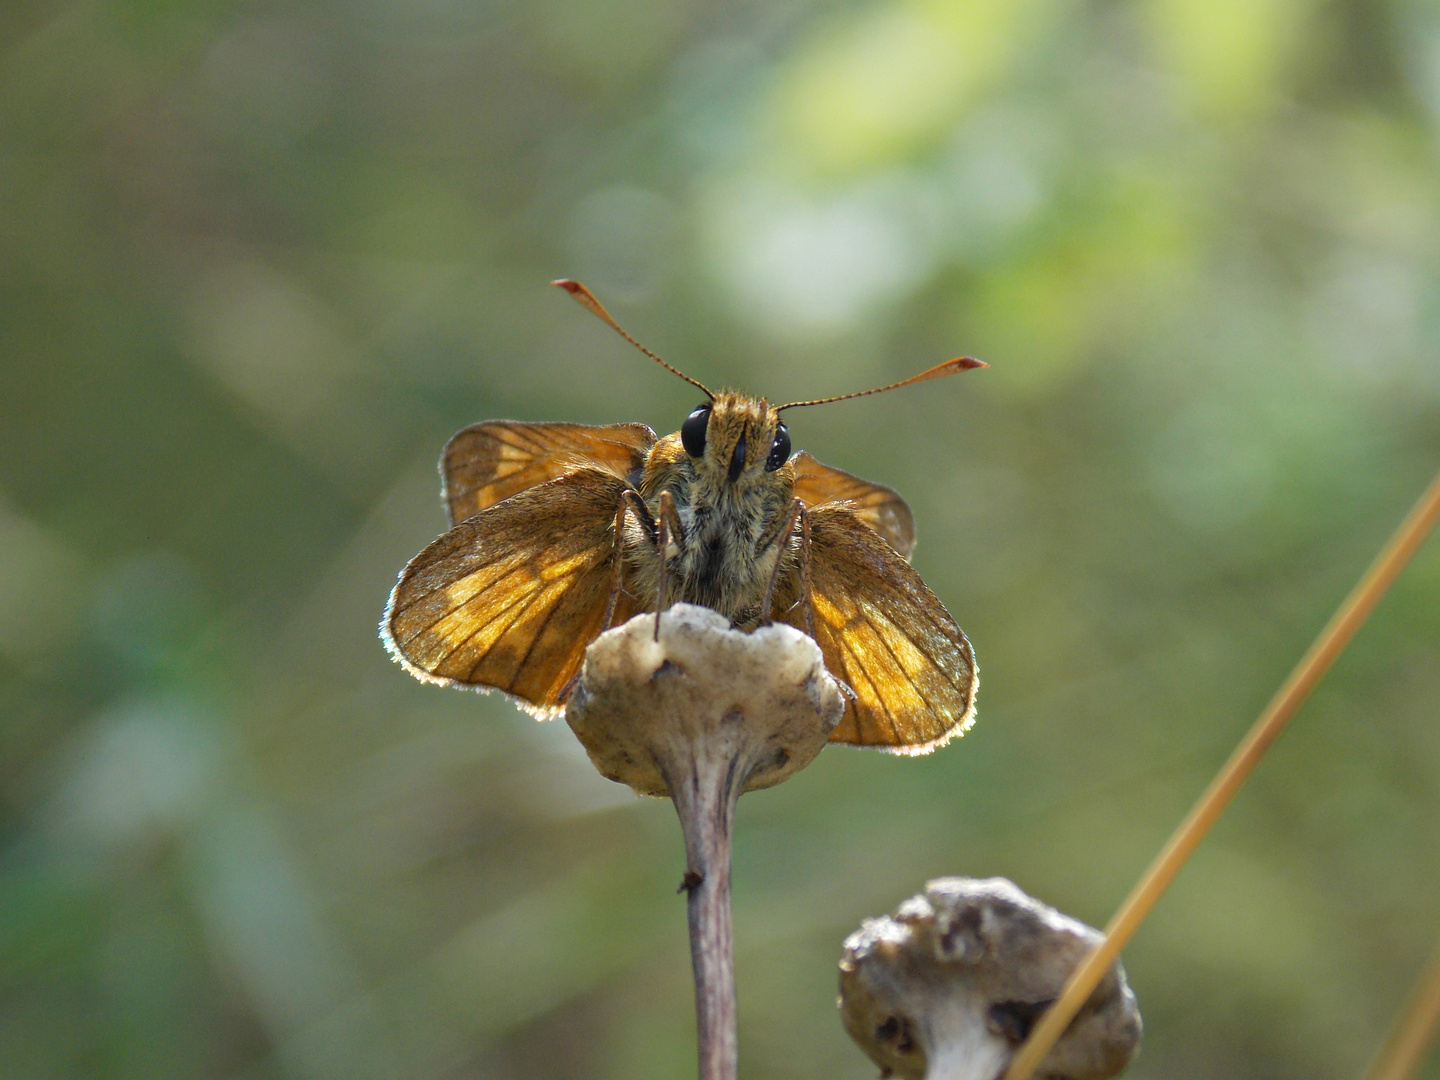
583 295
587 300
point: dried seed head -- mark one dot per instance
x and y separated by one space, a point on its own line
645 710
950 985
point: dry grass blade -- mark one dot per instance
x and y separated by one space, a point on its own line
1287 700
1404 1051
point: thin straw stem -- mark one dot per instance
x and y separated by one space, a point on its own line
1404 1050
1287 700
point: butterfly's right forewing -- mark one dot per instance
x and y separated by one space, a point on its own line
509 598
490 461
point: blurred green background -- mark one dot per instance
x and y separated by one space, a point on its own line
260 258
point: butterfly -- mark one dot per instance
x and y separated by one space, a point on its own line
559 531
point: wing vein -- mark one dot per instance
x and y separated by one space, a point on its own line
524 605
879 698
451 611
569 580
898 665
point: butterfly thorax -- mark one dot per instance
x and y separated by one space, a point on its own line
729 508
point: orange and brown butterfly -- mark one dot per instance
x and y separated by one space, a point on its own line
559 531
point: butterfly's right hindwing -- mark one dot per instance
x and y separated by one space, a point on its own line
510 597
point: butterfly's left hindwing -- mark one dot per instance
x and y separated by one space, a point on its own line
886 635
509 598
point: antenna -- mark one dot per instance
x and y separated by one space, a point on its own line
586 299
949 367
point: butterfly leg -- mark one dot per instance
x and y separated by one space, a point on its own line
669 529
806 597
642 513
616 570
795 514
632 502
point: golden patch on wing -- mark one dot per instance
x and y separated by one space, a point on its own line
510 597
490 461
886 635
876 505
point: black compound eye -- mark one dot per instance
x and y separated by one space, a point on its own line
692 431
779 449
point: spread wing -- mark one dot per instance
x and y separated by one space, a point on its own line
887 636
509 598
876 505
493 460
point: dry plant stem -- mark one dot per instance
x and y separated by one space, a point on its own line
1287 700
1404 1051
705 801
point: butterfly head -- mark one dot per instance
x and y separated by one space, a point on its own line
735 439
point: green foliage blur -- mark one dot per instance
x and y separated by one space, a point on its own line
260 258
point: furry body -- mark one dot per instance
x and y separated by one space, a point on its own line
724 538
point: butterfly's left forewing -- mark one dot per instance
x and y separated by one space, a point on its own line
886 635
876 505
509 598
